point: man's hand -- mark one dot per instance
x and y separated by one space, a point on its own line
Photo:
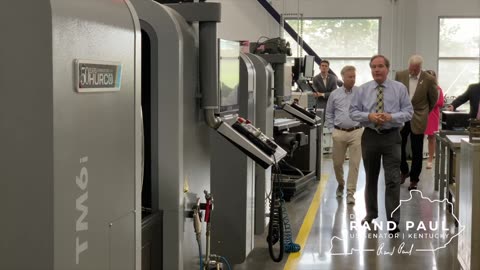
450 108
385 117
318 94
375 118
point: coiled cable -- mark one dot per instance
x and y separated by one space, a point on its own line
290 246
275 224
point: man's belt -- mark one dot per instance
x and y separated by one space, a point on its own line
384 131
347 129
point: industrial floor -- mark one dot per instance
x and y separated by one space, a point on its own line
320 224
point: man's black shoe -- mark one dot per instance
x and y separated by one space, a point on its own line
394 231
367 220
413 185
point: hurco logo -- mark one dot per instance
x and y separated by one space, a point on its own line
80 205
403 243
97 76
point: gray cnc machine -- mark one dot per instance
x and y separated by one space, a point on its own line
180 43
71 135
308 158
232 172
264 76
179 162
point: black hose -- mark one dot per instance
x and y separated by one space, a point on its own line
275 224
293 167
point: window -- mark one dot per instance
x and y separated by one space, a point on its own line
458 55
342 41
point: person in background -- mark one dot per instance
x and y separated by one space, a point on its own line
423 94
433 122
347 134
382 106
324 83
473 95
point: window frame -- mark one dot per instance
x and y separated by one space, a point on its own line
461 58
379 18
336 58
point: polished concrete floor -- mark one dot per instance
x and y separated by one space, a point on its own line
333 244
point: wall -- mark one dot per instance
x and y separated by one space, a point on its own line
407 26
347 8
245 20
427 33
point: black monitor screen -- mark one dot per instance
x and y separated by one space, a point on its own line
229 74
297 68
455 120
305 86
308 64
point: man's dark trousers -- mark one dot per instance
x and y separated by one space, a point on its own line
416 142
377 148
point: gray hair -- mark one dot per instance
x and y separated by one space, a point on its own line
415 60
346 69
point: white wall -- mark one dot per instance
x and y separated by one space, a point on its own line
245 20
347 8
407 26
428 13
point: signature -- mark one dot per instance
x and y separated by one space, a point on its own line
401 250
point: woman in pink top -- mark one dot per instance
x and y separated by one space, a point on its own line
433 122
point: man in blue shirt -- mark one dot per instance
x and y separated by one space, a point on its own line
347 134
382 106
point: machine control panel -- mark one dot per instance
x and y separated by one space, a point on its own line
249 139
302 114
248 130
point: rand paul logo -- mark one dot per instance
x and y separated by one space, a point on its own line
375 238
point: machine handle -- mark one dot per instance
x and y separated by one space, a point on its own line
142 135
